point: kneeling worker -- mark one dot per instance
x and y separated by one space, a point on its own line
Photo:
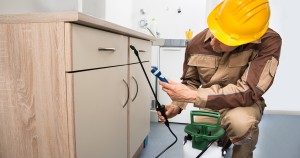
227 68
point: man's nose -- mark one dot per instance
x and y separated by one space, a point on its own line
213 41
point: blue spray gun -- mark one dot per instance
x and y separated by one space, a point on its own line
159 107
157 73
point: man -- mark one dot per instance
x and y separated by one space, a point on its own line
227 68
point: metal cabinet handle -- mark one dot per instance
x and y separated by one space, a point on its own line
137 89
107 49
143 51
127 93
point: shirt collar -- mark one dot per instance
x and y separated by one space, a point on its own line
208 36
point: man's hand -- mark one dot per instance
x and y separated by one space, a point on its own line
179 92
171 111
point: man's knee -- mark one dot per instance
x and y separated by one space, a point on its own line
241 129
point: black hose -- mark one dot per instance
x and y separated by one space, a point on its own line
169 145
159 107
202 152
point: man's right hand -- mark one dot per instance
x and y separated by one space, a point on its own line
171 111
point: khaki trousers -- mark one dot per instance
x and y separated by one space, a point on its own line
241 126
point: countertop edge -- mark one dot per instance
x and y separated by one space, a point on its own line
72 17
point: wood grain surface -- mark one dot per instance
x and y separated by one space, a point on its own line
33 112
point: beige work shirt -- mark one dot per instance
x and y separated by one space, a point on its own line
232 79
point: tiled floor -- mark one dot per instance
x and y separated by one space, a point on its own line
160 138
279 138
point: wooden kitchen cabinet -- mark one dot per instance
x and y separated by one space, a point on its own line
67 87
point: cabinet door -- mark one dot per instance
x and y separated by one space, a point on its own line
100 106
139 111
170 65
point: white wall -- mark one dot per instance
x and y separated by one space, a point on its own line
95 8
170 23
26 6
119 12
116 11
284 94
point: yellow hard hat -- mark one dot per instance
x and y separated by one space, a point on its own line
236 22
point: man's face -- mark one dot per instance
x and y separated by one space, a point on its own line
219 46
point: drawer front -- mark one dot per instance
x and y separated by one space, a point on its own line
143 47
93 48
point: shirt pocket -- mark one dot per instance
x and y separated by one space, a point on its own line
238 64
268 74
241 59
206 65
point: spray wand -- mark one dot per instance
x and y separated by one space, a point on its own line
159 107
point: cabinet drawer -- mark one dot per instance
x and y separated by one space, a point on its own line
93 48
144 48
